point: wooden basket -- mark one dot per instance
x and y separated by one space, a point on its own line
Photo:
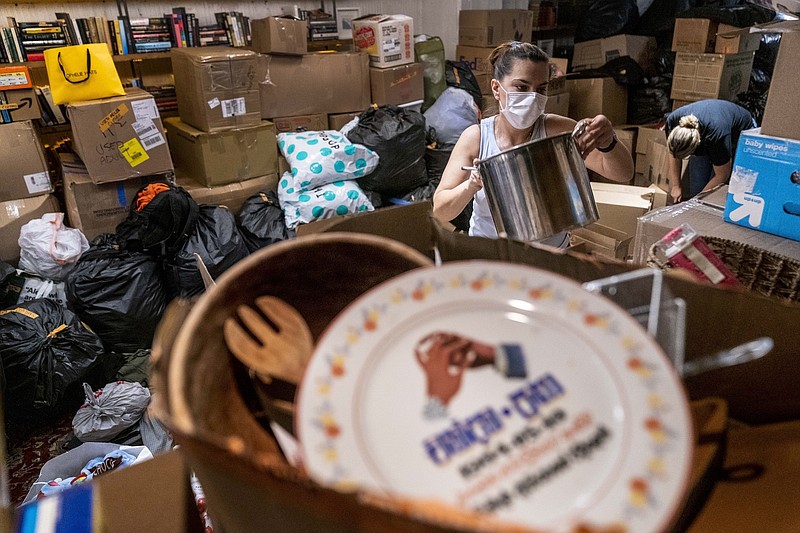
248 484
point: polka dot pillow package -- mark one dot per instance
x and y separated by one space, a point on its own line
321 157
333 199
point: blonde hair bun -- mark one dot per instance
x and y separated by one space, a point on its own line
689 121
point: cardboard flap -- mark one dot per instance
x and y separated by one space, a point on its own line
208 54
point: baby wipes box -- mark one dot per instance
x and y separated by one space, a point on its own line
764 191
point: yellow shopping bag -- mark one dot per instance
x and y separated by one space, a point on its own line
82 72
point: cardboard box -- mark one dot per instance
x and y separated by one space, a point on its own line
782 114
16 213
316 83
222 157
477 57
232 195
764 191
112 502
20 104
557 104
590 97
279 35
598 52
602 240
491 27
24 171
557 85
708 76
96 208
560 65
646 134
388 39
627 136
484 80
337 121
695 36
733 40
620 205
677 104
705 215
120 137
397 85
641 163
659 162
316 122
217 86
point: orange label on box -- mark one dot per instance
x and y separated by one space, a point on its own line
15 78
112 117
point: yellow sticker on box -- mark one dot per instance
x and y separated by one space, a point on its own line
133 152
120 111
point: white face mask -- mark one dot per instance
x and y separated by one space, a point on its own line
522 109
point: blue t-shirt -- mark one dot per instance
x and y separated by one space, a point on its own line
721 122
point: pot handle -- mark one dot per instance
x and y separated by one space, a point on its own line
580 127
470 169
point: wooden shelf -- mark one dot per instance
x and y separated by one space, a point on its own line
117 59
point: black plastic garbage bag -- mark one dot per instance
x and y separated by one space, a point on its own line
261 221
160 219
398 136
45 349
216 239
436 160
119 294
458 74
604 18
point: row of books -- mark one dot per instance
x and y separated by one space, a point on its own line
27 41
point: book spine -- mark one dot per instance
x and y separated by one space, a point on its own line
12 22
94 35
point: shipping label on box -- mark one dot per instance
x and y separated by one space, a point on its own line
25 172
764 191
696 36
489 28
397 85
598 52
19 104
708 76
388 39
316 122
331 83
279 35
218 87
226 156
121 137
15 77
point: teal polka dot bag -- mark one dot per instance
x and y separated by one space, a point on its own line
318 158
339 198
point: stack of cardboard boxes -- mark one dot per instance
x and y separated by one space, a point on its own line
121 145
26 186
713 60
224 152
394 77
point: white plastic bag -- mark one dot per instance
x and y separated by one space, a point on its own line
335 199
451 113
48 248
110 410
317 158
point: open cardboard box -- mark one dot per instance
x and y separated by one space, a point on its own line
152 496
758 392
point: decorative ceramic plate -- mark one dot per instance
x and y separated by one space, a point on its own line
501 388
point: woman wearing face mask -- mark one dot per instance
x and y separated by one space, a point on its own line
521 74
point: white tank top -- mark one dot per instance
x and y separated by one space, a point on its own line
481 223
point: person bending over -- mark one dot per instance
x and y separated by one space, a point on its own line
706 133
